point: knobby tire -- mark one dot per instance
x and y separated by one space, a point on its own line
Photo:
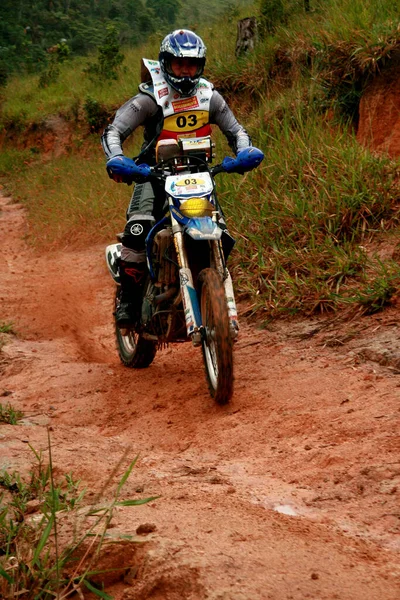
133 350
217 341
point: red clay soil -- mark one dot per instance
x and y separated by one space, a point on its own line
379 122
291 491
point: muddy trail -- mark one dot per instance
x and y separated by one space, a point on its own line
291 491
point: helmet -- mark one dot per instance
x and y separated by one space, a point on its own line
182 43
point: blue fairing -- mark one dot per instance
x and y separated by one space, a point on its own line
199 228
179 216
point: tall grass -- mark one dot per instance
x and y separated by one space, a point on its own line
302 219
70 201
39 558
307 219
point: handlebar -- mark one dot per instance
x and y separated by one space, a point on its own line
123 169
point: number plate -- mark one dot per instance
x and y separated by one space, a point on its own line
180 186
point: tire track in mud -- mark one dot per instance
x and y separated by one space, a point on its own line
290 491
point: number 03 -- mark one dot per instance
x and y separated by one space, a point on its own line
183 121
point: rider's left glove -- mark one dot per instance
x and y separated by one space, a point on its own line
246 159
124 170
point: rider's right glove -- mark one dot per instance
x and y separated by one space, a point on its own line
124 170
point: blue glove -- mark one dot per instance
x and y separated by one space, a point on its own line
125 170
246 160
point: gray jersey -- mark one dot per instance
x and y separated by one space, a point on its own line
143 110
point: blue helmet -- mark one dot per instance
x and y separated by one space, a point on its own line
182 43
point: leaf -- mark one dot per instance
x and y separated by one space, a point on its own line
126 474
96 511
38 457
43 539
137 502
6 576
96 591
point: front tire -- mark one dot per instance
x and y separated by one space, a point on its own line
217 342
133 350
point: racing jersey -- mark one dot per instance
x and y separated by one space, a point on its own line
166 114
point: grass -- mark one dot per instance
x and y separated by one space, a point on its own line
75 201
314 205
300 240
5 329
10 415
33 564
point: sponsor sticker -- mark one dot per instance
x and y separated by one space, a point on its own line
163 92
185 104
184 279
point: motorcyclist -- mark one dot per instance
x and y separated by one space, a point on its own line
175 101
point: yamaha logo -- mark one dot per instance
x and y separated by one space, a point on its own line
136 229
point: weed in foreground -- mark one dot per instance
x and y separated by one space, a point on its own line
10 415
33 564
7 328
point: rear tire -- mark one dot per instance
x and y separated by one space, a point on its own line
217 342
134 351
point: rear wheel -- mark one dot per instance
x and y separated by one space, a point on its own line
217 341
134 351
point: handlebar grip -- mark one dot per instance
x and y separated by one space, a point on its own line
125 169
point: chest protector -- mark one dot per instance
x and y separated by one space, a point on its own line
183 117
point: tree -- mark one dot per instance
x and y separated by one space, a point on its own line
167 10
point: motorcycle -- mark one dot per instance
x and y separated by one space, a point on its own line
188 294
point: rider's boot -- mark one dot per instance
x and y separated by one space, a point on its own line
132 277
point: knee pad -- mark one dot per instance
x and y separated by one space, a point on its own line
136 231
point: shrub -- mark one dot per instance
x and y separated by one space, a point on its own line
110 57
96 114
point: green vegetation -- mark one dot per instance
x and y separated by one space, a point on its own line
5 330
36 35
10 415
308 222
33 564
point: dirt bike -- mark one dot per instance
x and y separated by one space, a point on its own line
188 294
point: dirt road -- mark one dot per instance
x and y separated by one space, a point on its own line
291 491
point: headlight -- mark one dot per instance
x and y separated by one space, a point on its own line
197 207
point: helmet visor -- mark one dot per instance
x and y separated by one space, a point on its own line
185 66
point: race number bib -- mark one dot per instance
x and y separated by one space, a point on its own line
186 122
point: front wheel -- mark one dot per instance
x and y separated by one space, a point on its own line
217 341
134 351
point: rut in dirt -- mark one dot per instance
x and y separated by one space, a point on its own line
292 489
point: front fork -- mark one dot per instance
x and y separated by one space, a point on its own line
189 296
190 301
228 286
